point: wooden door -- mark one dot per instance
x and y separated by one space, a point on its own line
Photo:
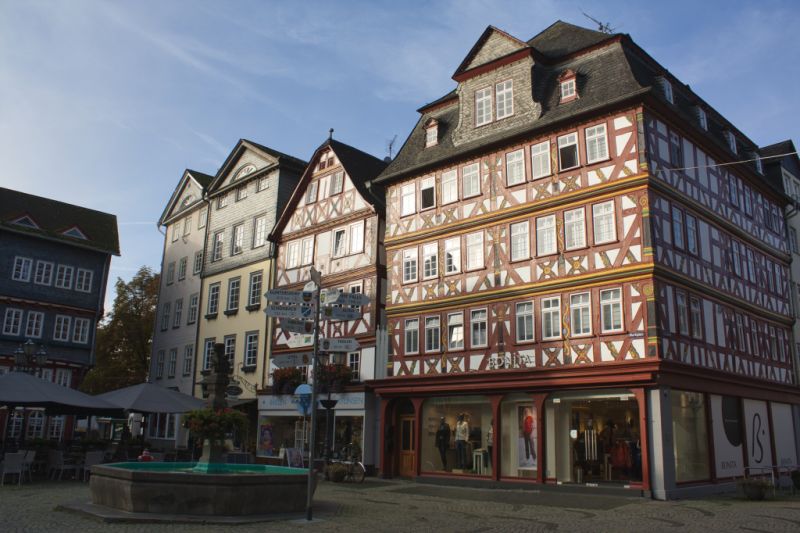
408 453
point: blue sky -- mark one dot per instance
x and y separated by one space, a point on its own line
103 104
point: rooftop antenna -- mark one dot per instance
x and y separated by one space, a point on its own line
603 27
390 145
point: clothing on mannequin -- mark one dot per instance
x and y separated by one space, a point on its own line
462 434
443 441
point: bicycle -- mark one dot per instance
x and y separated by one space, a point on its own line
354 468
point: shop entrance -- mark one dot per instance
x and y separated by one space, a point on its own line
407 457
597 439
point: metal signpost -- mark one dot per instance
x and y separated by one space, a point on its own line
300 313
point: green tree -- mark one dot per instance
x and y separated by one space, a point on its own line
124 339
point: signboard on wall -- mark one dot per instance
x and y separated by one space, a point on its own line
783 430
726 421
759 445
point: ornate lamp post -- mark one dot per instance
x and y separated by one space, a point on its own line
27 358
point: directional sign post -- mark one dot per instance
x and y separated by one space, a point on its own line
340 313
289 297
303 311
296 325
338 345
352 298
301 341
292 359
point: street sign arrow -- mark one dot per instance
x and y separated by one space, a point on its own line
329 296
292 359
352 298
290 311
340 313
300 341
296 325
289 297
338 345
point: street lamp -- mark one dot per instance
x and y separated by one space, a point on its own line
27 358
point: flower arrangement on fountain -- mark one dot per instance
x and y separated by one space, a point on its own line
214 425
332 377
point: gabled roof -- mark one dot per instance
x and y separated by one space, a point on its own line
778 156
562 38
490 31
360 167
241 146
202 180
54 218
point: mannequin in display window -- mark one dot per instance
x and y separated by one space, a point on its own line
490 442
527 433
443 441
462 434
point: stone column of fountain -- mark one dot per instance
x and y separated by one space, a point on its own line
216 382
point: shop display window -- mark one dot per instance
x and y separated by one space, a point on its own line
277 433
349 432
689 436
518 437
454 435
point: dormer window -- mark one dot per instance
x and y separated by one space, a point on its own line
567 86
666 86
504 99
25 220
731 138
431 133
483 106
75 231
702 118
759 164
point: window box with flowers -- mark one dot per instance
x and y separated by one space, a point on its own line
286 380
333 377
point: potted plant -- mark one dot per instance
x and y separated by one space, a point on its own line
286 380
332 377
754 488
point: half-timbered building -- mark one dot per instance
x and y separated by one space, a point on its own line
334 223
587 278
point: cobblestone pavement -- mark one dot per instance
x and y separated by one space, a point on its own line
405 506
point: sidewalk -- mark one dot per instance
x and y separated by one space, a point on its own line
379 505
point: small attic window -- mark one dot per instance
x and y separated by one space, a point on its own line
26 221
758 163
567 86
74 231
666 86
431 133
731 138
702 118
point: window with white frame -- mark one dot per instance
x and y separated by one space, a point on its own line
14 424
427 193
596 143
474 250
251 348
337 182
478 328
216 247
677 228
759 164
213 299
520 241
411 330
551 317
470 180
504 99
171 273
241 193
254 291
611 310
432 334
259 231
165 314
176 322
580 313
408 199
515 168
483 106
409 265
567 89
234 286
702 118
540 160
262 183
696 317
311 192
682 310
80 334
339 242
182 268
33 327
12 323
222 201
230 348
194 301
35 425
455 331
293 254
198 262
237 244
568 151
431 135
736 260
22 269
731 138
172 365
546 235
449 186
430 260
605 228
691 234
747 200
176 231
64 274
62 328
56 429
357 237
666 86
452 255
524 314
208 352
574 228
188 359
44 273
187 225
354 362
675 150
202 218
356 288
307 251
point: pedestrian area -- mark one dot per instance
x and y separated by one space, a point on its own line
378 505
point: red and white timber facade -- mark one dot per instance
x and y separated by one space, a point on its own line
334 223
578 292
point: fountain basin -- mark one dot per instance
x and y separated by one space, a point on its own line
177 488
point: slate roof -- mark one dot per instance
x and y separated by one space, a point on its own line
203 179
562 38
54 217
283 159
773 164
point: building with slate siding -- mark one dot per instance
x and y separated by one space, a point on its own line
53 276
588 279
